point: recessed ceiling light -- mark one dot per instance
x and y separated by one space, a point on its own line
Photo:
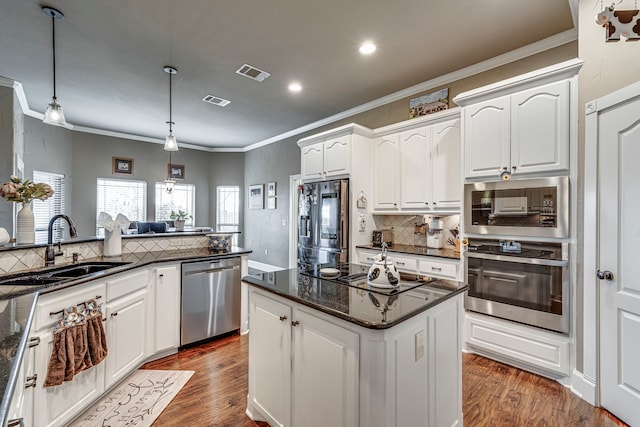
295 87
367 48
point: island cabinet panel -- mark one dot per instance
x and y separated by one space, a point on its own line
55 406
166 310
270 360
325 373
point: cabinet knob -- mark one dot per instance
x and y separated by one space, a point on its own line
395 204
513 167
114 314
283 318
426 203
33 342
295 323
504 168
161 275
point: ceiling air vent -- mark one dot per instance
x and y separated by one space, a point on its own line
252 72
220 102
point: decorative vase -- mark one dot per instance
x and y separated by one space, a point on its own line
25 226
179 223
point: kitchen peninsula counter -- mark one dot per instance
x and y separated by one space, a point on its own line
17 309
349 355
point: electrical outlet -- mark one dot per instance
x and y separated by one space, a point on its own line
419 339
284 222
266 251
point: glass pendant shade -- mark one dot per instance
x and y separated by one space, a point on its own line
170 144
54 115
169 185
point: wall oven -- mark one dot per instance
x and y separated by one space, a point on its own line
523 282
525 207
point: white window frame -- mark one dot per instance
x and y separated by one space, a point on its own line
44 210
186 191
228 221
135 208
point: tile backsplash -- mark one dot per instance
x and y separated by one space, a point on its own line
403 226
24 259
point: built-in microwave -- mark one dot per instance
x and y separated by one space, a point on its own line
526 207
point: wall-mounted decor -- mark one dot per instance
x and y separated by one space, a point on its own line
122 166
271 189
176 171
256 196
619 23
429 103
271 202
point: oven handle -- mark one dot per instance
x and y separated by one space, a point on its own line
521 260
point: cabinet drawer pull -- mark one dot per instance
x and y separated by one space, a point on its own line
33 342
399 262
436 268
295 323
114 314
283 318
370 259
31 381
161 275
17 422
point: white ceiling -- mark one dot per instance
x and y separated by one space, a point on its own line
110 57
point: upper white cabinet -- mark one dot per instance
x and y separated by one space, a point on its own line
522 125
417 168
331 154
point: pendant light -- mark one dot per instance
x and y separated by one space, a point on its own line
169 183
53 115
170 143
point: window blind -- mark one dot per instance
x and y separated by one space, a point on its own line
228 209
43 211
121 196
182 198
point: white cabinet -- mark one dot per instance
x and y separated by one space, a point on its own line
126 315
385 172
327 159
418 169
55 406
525 132
21 407
303 369
166 312
332 154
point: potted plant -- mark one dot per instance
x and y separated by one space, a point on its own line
179 218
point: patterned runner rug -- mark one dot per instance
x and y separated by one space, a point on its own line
137 401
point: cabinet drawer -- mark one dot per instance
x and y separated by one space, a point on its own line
125 283
404 263
367 257
448 270
59 300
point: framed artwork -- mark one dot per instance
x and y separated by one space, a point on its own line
256 196
271 189
429 103
122 166
176 171
271 202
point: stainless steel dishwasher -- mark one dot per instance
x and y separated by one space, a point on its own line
210 299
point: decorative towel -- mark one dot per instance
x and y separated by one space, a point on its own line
96 337
79 343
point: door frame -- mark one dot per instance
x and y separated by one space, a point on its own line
588 384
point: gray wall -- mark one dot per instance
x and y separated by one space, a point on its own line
264 229
6 159
227 169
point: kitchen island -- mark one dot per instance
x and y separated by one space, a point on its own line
340 353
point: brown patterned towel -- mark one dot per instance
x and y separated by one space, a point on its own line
69 348
96 338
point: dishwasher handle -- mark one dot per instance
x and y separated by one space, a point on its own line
211 270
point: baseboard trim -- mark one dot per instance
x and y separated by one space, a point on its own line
584 388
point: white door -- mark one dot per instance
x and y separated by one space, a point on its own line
385 172
619 241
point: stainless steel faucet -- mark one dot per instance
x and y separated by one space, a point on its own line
51 253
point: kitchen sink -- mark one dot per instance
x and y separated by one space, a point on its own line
59 274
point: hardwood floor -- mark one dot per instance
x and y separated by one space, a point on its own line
493 395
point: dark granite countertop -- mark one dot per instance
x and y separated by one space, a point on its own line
17 306
415 250
356 302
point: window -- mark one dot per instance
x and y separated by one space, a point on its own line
182 198
43 211
228 209
121 196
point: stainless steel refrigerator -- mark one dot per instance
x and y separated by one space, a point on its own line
323 223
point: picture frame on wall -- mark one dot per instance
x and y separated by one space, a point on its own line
271 189
429 103
256 196
175 171
121 166
271 202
